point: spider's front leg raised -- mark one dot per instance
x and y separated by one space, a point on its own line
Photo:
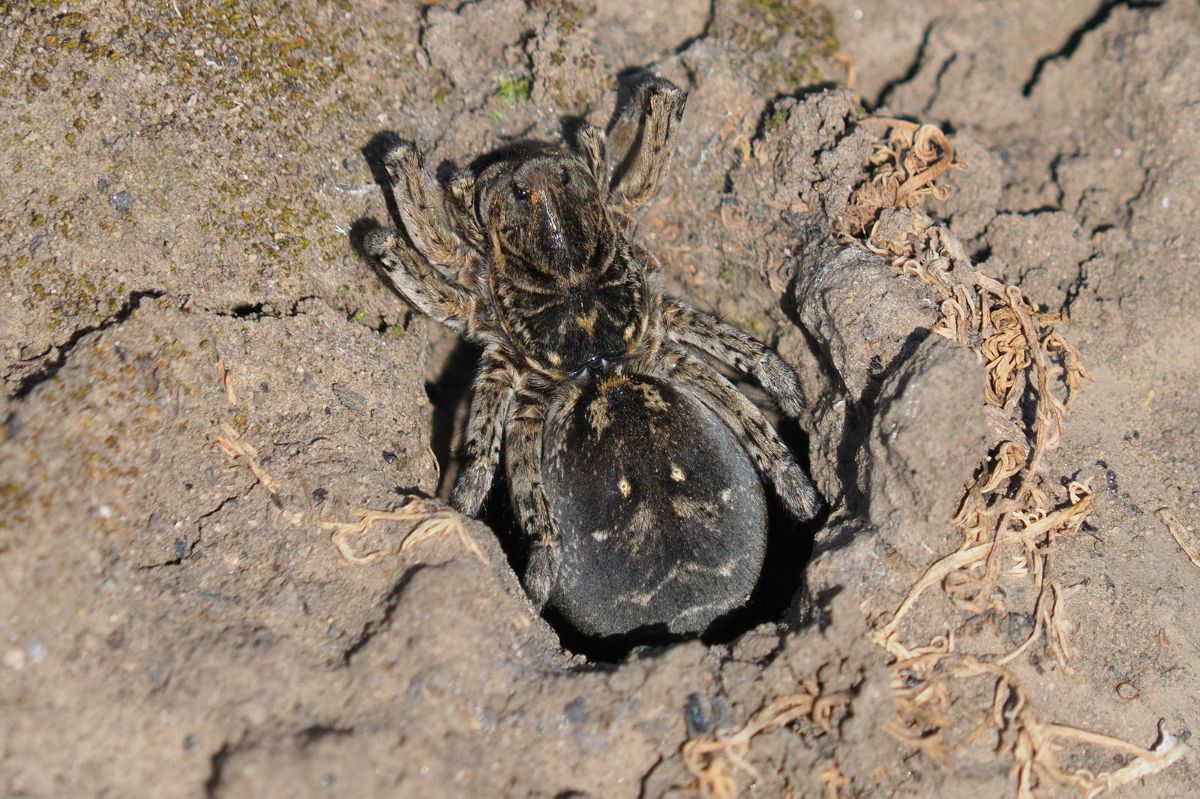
427 210
417 281
735 348
419 270
643 138
490 401
766 449
523 446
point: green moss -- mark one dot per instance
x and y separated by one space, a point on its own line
764 22
513 88
756 326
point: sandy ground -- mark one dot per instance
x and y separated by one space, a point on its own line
201 376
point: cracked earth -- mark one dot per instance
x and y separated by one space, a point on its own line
198 372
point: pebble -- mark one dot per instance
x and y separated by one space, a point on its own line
14 659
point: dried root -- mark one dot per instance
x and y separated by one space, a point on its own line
907 162
237 448
432 522
712 759
1007 514
1032 744
1187 541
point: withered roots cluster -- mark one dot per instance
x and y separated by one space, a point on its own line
1007 508
710 758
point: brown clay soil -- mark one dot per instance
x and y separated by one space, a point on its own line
202 378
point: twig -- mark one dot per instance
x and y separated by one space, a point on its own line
1186 541
232 444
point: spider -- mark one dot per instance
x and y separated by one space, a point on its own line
634 467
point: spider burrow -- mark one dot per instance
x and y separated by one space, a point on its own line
634 467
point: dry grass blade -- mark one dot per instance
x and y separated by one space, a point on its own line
431 522
1010 459
1033 745
226 383
232 444
1187 541
888 635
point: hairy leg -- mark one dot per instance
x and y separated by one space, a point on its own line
424 207
523 438
740 350
643 137
418 282
766 449
591 145
491 397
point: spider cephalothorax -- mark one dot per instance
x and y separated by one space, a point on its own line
560 276
635 468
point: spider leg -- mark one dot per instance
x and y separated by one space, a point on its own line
523 453
424 207
591 145
643 137
418 282
766 449
731 346
491 397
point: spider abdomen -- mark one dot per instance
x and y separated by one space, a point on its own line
661 514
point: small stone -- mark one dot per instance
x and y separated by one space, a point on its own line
576 710
349 398
14 659
122 200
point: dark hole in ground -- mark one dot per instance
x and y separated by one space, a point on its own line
789 544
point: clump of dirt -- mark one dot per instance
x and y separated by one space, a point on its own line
223 569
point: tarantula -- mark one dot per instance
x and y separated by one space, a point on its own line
634 467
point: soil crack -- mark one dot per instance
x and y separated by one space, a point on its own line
260 310
52 363
885 93
687 43
216 769
384 623
1073 41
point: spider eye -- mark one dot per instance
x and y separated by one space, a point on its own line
521 194
565 177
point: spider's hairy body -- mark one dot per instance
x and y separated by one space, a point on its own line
634 467
562 277
685 528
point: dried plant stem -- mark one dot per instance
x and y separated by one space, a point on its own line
432 522
709 758
1186 541
232 444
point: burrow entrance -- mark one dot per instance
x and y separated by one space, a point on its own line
776 597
